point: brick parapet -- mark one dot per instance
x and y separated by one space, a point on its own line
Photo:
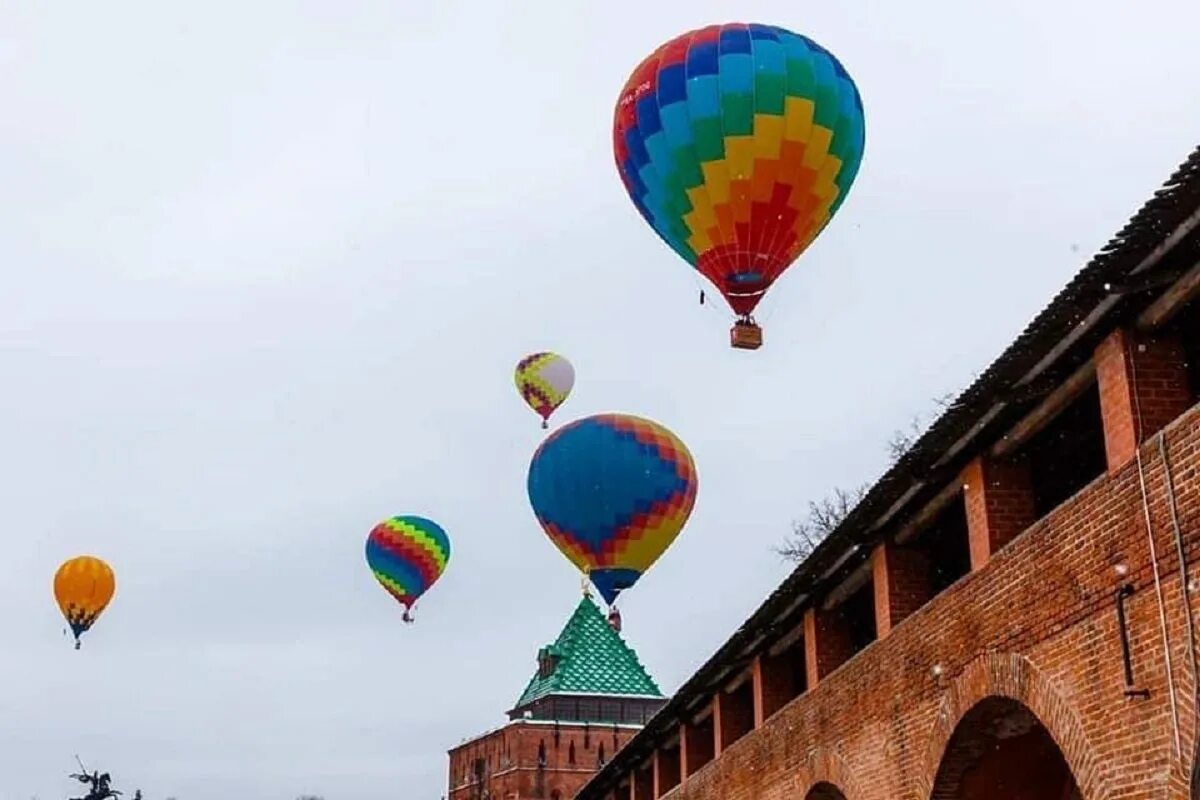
1036 624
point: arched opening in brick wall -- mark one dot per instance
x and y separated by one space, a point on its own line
825 791
1001 751
1196 774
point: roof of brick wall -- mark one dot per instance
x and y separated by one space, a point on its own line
592 659
1054 344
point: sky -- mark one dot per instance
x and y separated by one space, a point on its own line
265 271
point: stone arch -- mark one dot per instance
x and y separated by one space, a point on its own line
1013 677
1001 749
825 791
825 775
1196 773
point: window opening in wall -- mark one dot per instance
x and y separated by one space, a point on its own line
700 744
737 713
643 781
547 662
571 753
600 756
1186 326
858 612
668 768
1068 453
541 753
784 675
944 547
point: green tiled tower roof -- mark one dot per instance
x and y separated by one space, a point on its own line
589 657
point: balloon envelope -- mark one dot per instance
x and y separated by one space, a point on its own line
612 491
407 555
737 144
83 588
545 381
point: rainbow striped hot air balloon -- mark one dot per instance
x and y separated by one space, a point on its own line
545 381
407 555
612 491
83 588
737 144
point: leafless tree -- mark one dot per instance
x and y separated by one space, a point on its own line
822 519
826 514
903 439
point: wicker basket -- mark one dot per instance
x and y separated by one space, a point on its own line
745 336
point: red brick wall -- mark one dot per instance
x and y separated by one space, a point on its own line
831 645
511 755
900 577
1156 368
1000 505
1035 624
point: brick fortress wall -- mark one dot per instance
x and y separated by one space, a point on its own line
1034 621
533 760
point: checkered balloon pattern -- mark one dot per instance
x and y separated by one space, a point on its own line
737 144
544 381
612 491
407 556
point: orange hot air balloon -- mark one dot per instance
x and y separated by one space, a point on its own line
83 587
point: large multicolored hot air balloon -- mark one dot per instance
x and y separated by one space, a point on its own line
612 491
738 143
544 381
83 588
407 555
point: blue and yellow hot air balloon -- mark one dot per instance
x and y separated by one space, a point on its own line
612 491
738 143
407 555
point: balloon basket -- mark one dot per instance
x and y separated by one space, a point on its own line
745 335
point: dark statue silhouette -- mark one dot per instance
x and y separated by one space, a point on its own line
98 784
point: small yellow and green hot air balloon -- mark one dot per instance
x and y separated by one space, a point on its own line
83 587
545 381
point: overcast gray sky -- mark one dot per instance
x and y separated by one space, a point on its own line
266 268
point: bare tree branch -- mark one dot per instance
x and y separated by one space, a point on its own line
903 439
822 519
826 514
